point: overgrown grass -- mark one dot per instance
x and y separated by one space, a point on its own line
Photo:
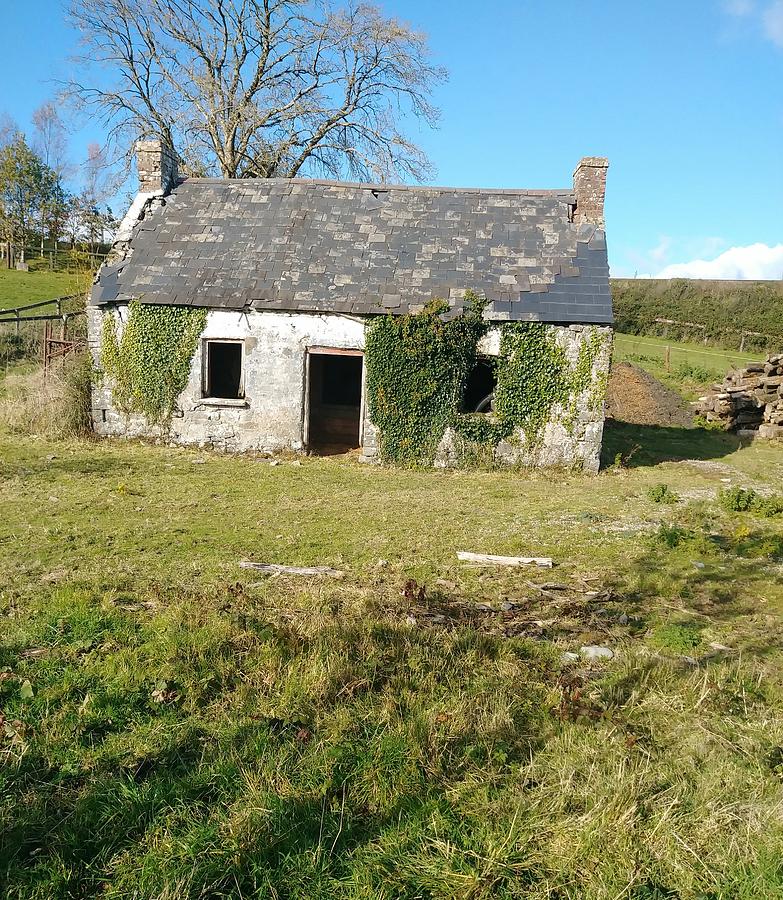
53 406
176 726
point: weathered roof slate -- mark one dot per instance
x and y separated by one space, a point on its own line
319 246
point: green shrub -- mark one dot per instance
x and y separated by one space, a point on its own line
677 637
702 422
699 374
672 536
737 499
662 493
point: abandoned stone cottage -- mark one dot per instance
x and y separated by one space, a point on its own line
293 271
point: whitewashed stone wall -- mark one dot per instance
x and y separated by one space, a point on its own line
272 415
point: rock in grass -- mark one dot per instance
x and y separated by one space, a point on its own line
594 652
569 657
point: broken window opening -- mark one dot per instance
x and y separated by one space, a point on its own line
224 370
480 387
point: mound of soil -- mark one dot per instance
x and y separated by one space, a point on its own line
635 396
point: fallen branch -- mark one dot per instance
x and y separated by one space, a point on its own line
274 569
545 592
544 562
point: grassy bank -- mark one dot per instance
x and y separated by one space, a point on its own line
18 288
177 726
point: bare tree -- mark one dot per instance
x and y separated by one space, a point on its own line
99 184
258 88
50 142
9 130
50 138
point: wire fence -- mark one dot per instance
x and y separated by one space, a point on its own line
673 356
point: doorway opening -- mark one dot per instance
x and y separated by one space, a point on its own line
334 392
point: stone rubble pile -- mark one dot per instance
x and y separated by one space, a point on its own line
749 399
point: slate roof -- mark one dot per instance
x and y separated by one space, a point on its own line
320 246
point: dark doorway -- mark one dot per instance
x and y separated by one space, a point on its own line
224 370
335 399
480 387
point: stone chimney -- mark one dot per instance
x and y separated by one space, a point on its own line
590 190
157 166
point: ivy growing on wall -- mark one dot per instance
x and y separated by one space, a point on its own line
533 375
150 363
418 365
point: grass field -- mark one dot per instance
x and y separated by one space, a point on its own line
18 288
175 726
692 367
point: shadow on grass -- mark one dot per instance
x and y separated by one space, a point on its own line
649 445
710 580
223 790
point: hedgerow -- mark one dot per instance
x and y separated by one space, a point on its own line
725 309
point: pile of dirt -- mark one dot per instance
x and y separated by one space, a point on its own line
635 396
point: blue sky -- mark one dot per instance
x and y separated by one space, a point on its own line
684 98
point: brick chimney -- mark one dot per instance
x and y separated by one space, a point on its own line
590 190
157 166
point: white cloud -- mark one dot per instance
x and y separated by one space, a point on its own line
660 253
756 261
739 8
767 16
773 22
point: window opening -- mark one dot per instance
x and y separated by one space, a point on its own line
224 370
480 387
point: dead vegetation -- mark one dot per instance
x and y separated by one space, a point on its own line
54 405
636 397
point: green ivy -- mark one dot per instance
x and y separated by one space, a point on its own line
150 364
533 375
417 366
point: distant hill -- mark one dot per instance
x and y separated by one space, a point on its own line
725 309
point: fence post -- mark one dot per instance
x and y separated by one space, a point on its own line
668 358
